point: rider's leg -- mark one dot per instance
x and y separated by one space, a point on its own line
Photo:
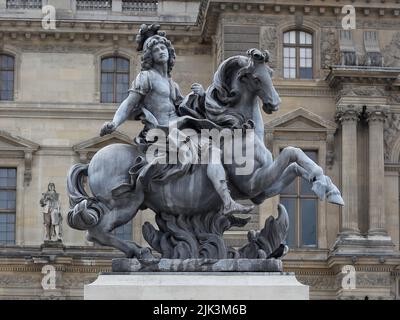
216 173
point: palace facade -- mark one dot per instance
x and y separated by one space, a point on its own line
340 92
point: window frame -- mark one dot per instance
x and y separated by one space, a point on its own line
13 72
11 211
115 72
297 46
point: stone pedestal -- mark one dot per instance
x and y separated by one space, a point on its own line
196 279
196 286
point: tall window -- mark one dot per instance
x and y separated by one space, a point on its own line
297 55
302 206
114 79
8 186
6 77
124 232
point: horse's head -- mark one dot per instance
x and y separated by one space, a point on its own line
257 75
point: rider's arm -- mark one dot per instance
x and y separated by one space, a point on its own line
140 87
126 108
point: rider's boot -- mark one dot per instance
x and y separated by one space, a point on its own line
230 205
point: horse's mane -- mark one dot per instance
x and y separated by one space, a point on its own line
220 97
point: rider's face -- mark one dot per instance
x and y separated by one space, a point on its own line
160 53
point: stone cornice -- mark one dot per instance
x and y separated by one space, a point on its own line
361 74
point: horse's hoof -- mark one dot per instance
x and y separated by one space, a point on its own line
145 254
319 189
336 199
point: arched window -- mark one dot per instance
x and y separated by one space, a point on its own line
114 79
302 206
6 77
297 55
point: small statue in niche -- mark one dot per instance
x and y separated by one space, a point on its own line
52 217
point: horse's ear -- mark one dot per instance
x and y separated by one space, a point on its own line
266 55
250 52
256 55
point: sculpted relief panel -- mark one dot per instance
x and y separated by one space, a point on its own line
391 52
329 48
268 41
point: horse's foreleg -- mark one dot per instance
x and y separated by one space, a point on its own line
265 176
287 177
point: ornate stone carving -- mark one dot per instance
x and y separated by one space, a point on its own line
390 133
318 282
268 41
329 48
371 91
391 52
348 113
377 113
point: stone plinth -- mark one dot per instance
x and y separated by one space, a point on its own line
196 286
197 265
196 279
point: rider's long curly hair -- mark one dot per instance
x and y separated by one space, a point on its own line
147 58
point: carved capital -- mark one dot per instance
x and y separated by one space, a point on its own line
377 113
349 113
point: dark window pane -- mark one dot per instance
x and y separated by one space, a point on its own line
107 64
309 222
7 228
290 205
114 79
305 73
11 173
122 65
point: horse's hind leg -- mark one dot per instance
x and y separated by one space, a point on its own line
124 209
106 238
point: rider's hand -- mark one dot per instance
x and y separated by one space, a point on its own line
107 128
198 89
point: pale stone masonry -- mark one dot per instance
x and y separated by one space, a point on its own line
348 114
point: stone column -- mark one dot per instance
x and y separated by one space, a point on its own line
3 4
376 119
348 116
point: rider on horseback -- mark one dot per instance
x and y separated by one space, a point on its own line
156 95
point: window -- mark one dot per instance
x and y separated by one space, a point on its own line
6 77
297 55
114 79
301 204
124 232
8 186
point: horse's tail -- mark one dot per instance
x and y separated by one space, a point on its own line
85 212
